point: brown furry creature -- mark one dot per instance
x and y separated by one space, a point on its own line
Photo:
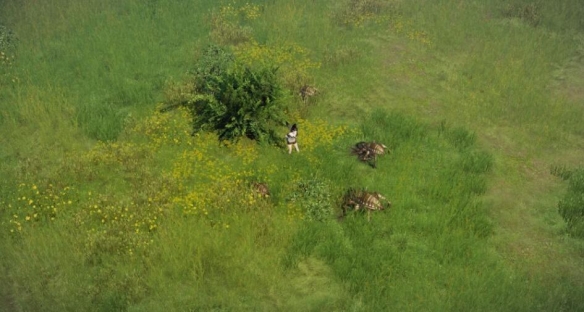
361 199
307 91
261 189
368 151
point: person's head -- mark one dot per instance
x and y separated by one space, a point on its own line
293 128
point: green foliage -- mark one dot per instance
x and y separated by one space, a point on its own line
7 39
215 62
235 101
571 207
314 197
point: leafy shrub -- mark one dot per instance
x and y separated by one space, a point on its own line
7 39
571 207
234 100
314 197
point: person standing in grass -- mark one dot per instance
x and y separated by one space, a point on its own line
291 139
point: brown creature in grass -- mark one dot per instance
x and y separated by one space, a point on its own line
368 151
306 92
361 199
261 189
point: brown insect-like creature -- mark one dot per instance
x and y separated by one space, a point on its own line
368 152
361 199
307 91
261 189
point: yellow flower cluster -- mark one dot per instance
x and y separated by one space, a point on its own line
226 23
319 133
243 149
228 10
123 225
216 180
124 217
169 128
248 11
419 36
6 60
292 59
294 212
111 153
195 176
33 204
215 201
399 26
359 19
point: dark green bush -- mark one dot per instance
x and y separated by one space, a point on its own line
315 199
571 207
234 100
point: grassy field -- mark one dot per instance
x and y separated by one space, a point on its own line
106 204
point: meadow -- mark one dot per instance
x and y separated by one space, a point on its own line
108 203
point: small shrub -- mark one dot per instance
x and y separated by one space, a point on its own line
571 207
314 196
7 39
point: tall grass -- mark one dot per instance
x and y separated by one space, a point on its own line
110 58
195 229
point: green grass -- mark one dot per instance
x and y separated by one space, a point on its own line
476 100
